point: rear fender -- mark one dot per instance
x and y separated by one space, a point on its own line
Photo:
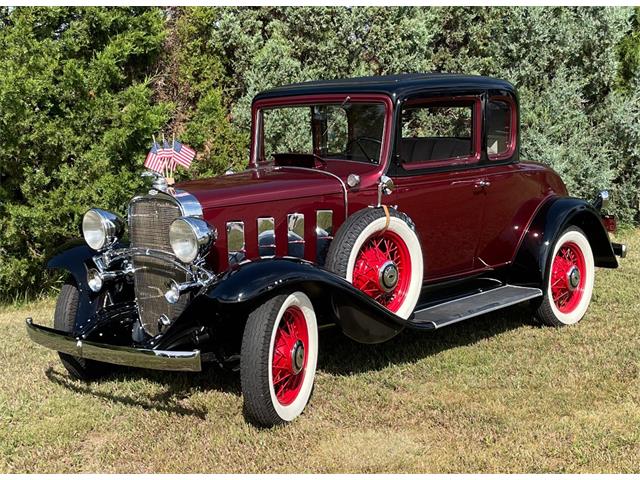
531 264
359 316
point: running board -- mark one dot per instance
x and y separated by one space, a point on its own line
471 306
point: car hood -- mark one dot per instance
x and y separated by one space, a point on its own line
261 185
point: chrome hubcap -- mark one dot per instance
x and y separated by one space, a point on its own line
297 357
573 278
388 276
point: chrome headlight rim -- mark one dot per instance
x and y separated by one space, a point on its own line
190 238
101 228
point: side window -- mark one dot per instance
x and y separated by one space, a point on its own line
500 129
434 134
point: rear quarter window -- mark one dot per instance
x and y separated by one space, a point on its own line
501 135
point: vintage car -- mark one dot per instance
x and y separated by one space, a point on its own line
374 204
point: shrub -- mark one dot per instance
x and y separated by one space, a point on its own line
76 117
83 89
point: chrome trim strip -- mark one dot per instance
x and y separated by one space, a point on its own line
342 184
183 361
189 204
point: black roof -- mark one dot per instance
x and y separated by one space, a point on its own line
394 85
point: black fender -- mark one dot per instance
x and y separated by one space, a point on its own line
360 317
532 260
76 258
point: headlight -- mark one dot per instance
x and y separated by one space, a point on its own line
101 228
190 238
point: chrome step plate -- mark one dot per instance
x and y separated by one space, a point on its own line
471 306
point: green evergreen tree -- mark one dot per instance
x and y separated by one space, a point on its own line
83 89
76 117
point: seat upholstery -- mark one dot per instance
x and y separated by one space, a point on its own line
424 149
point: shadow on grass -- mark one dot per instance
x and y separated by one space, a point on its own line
177 386
338 355
342 356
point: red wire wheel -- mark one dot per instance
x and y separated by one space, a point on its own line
383 269
290 355
568 277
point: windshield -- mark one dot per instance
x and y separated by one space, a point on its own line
341 131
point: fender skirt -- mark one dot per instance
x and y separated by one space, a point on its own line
360 317
531 264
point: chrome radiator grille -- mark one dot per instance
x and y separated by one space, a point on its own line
149 221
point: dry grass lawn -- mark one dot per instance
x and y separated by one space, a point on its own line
494 394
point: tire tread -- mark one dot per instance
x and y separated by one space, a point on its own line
64 319
254 363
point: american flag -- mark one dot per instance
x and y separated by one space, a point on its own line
165 155
183 154
153 160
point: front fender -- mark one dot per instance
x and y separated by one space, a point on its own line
76 257
359 316
531 264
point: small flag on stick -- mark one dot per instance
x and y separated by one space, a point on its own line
165 154
183 154
165 159
152 162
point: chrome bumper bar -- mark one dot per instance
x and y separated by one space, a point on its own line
188 361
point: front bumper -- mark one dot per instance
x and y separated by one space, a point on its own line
184 361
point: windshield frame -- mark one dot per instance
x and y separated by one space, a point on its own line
322 99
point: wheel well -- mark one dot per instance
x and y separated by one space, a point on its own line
598 238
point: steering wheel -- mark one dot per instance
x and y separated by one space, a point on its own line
358 140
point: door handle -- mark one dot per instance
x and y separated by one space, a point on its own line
482 184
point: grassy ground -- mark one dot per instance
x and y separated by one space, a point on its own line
495 394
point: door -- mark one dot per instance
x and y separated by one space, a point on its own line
447 210
437 183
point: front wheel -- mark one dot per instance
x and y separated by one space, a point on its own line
65 320
278 359
570 280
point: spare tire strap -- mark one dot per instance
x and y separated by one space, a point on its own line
386 212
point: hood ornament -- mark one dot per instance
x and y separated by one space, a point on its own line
158 181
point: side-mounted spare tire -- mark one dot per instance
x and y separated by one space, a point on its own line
379 252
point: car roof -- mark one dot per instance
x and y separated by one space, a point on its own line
397 86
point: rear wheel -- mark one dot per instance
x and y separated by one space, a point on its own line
570 280
64 320
278 359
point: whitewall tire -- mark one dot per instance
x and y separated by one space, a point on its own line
380 256
278 359
570 280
